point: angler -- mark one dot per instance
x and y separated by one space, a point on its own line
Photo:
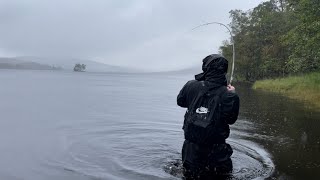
212 105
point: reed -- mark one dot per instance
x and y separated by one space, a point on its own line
305 88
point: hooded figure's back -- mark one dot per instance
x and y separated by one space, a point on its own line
217 154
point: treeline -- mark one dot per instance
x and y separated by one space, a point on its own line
275 39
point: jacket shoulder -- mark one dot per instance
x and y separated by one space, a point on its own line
194 83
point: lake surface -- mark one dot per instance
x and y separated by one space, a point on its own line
88 126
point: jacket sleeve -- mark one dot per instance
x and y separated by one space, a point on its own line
182 96
230 107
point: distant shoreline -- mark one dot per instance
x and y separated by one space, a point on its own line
31 69
49 69
11 63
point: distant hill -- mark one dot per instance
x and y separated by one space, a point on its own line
191 70
68 64
13 63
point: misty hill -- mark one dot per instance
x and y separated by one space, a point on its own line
190 71
69 63
13 63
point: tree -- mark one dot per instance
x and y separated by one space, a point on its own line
79 67
276 38
304 38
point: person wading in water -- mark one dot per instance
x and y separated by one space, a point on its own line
212 106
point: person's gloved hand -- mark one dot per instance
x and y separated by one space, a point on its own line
231 88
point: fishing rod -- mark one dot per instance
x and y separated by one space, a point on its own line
233 49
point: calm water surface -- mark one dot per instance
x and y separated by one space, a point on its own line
87 126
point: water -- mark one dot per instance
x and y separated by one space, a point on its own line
83 126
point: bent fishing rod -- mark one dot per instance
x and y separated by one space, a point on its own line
233 49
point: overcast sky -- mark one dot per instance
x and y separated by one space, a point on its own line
149 34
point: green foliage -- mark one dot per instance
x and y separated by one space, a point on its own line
305 88
276 38
305 37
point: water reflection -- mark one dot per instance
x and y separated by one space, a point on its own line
287 129
128 126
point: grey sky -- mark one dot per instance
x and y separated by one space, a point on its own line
137 33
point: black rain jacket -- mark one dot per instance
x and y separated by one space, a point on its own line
214 75
229 104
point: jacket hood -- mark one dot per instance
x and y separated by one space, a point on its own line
214 69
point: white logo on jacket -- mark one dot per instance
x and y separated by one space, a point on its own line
202 110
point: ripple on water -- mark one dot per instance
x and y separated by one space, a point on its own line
250 161
126 152
137 151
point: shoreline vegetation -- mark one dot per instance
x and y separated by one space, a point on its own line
305 88
277 38
277 47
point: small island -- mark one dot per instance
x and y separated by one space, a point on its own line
79 68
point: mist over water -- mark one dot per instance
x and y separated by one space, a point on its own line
81 126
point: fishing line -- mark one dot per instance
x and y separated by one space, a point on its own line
233 49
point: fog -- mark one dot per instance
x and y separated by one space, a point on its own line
153 35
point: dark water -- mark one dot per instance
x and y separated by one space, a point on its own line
287 130
81 126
